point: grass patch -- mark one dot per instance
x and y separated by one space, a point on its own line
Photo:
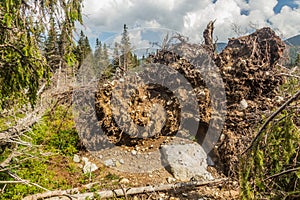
54 141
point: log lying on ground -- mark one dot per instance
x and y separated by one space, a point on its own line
123 191
21 126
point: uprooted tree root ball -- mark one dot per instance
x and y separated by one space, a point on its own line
251 78
248 67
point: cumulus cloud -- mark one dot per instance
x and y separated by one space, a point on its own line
287 21
190 16
136 39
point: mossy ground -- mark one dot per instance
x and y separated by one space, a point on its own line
48 161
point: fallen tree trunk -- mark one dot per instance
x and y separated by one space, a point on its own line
121 192
21 126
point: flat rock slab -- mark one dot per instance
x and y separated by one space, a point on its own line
185 161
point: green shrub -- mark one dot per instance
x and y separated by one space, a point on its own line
271 170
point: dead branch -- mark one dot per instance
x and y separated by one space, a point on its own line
290 75
50 194
208 36
6 162
282 173
20 180
260 132
122 191
23 125
10 182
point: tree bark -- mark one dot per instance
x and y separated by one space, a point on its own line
208 37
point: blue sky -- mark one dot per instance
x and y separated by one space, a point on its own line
105 18
281 3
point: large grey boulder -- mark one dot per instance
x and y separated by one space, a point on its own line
185 161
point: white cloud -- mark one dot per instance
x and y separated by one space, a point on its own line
265 8
136 40
189 16
287 21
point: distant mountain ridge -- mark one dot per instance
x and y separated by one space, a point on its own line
293 44
221 46
293 41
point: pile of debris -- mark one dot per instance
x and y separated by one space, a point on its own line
247 67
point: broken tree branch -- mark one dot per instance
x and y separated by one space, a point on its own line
282 173
22 125
11 182
120 192
6 162
208 37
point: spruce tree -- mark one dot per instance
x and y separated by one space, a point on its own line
51 47
23 66
125 49
98 51
83 48
104 57
116 57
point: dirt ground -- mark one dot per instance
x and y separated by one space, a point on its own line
109 178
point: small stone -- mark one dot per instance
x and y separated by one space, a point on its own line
124 181
150 175
89 167
76 158
162 194
171 180
244 104
118 164
133 152
184 194
279 99
85 159
109 163
122 161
